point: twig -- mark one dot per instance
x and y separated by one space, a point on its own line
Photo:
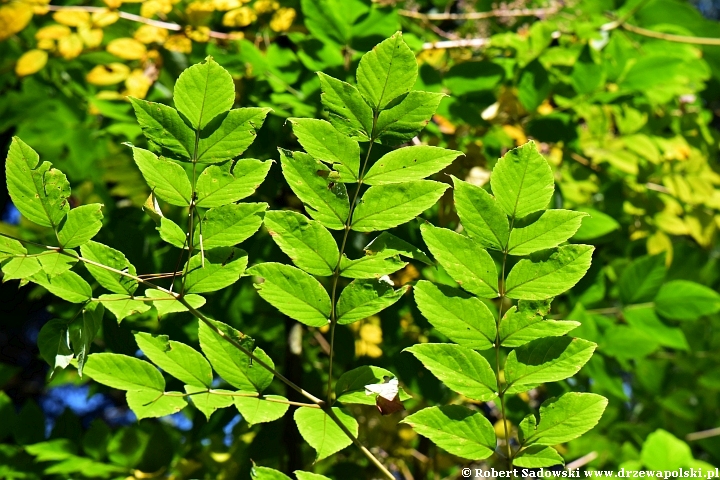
521 12
245 395
670 37
584 161
133 18
582 461
713 432
463 43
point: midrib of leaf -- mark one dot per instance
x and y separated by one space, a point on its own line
491 340
471 273
517 198
488 224
387 75
452 434
515 382
377 212
541 276
543 232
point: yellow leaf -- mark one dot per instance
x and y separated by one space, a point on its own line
198 34
150 34
151 8
240 17
137 84
282 19
671 224
46 44
265 6
225 5
92 37
114 4
108 74
53 32
106 95
658 242
545 108
199 13
516 133
103 18
127 48
13 18
178 43
31 62
702 227
500 428
72 18
70 47
369 337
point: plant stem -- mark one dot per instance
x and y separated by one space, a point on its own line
245 395
501 391
336 273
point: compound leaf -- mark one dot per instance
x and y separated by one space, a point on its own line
229 225
405 120
323 142
163 127
261 409
168 180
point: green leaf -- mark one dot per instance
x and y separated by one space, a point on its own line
550 230
522 181
256 410
222 267
409 163
463 259
20 267
204 91
642 279
309 476
293 292
10 247
348 112
461 369
538 456
321 141
548 274
546 360
54 344
664 451
55 262
386 72
308 244
163 127
456 429
481 215
463 318
104 255
387 206
83 331
322 433
124 373
37 190
405 120
229 225
646 321
172 233
534 86
265 473
166 303
68 285
325 200
177 359
168 180
685 300
82 224
523 325
235 132
366 297
209 401
387 244
123 305
566 418
325 20
154 404
350 387
597 225
219 185
230 363
370 266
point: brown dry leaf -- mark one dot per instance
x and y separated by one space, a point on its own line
31 62
108 74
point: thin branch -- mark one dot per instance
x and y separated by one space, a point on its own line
133 18
582 461
245 395
713 432
670 37
463 43
499 13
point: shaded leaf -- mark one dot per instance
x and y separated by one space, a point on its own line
261 409
177 359
104 255
222 267
481 215
168 180
82 224
219 185
366 297
685 300
386 72
348 112
231 136
123 305
405 120
321 141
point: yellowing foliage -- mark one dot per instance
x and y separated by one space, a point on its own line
282 19
127 48
72 18
137 84
13 18
150 34
31 62
265 6
240 17
178 43
53 32
70 47
111 74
